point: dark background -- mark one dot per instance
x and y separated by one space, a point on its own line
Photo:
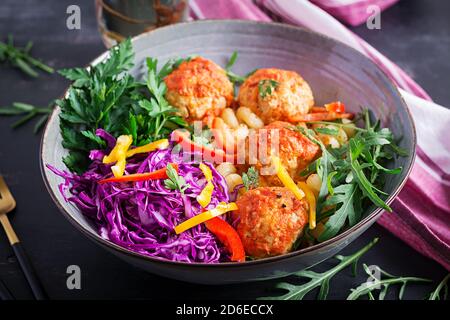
414 33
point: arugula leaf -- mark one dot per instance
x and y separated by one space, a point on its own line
266 87
351 174
175 181
318 280
250 179
21 58
235 78
344 195
28 113
442 286
329 131
368 287
231 61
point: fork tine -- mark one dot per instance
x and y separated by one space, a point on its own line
5 194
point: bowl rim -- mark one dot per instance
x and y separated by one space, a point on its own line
372 215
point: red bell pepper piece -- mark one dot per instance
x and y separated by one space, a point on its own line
155 175
336 106
228 236
321 116
209 154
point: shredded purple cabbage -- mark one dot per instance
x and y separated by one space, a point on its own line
140 216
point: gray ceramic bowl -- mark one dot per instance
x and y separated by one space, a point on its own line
334 71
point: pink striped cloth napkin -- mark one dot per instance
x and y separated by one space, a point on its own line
421 216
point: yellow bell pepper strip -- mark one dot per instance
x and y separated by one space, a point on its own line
119 155
311 199
123 143
221 208
204 198
286 179
152 146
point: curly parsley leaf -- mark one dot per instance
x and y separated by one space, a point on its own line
175 181
250 178
106 96
266 87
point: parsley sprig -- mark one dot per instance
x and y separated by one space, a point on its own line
175 181
266 87
250 178
107 96
21 58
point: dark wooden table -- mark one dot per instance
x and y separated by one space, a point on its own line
414 33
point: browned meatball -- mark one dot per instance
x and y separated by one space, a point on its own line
270 220
288 96
295 151
199 88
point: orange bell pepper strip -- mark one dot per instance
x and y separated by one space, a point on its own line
209 154
228 236
321 116
154 175
221 208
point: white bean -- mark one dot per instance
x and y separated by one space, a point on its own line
314 183
245 115
349 127
229 117
233 180
225 169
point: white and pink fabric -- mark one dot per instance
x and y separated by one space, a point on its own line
421 214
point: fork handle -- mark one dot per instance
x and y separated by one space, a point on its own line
30 274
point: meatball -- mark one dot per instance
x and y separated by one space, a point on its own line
199 88
294 149
285 94
270 220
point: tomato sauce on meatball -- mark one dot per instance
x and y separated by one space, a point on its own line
270 220
293 148
289 96
199 88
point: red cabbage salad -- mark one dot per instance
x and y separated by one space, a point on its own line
178 167
141 216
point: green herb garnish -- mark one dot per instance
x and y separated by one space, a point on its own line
266 87
234 78
21 58
175 181
355 168
442 286
250 179
368 287
28 112
319 280
106 96
329 131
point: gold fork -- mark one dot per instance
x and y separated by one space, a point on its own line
7 204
